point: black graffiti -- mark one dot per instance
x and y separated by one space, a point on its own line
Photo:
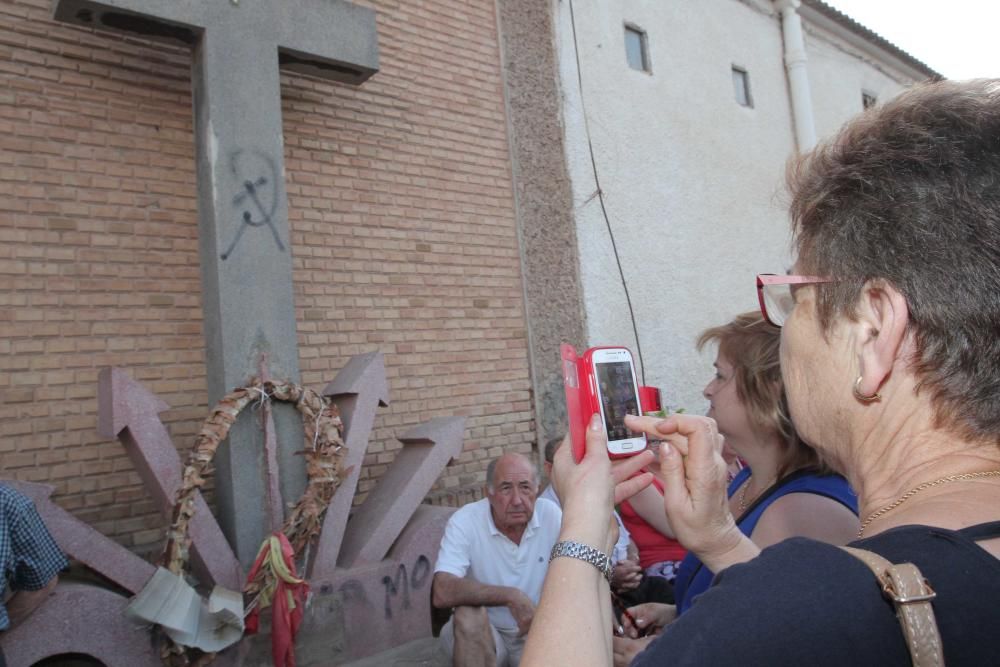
421 570
416 580
392 589
256 191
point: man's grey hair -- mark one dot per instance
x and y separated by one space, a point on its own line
492 466
551 446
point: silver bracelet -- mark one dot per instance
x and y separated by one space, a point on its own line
595 557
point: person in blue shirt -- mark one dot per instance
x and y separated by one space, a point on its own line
30 558
784 491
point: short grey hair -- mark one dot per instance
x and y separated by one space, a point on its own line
907 194
490 469
551 446
492 466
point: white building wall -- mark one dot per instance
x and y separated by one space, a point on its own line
692 181
838 74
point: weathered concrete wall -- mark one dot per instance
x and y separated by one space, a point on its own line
550 262
839 73
688 175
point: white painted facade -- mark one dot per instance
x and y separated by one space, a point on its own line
693 182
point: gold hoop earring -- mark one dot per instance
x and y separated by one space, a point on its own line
861 397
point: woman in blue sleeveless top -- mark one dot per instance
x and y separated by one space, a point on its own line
785 490
693 578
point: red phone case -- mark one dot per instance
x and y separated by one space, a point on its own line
574 402
581 396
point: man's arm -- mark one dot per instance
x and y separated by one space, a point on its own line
448 591
22 603
35 559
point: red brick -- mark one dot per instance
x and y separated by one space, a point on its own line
403 239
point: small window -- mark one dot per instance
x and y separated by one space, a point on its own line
636 51
741 87
868 100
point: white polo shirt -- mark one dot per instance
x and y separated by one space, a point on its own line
473 547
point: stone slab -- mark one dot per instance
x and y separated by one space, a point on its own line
81 619
81 542
426 652
359 389
371 608
354 612
130 412
427 449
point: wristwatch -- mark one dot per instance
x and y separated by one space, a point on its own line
595 557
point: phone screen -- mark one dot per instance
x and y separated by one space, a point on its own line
618 398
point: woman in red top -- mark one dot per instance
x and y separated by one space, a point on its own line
659 553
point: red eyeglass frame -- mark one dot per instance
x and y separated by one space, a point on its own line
778 279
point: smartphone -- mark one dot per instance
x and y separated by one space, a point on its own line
615 390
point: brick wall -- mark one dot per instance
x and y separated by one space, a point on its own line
403 237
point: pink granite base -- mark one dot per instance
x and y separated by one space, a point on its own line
80 619
367 609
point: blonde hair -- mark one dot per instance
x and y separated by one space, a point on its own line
752 344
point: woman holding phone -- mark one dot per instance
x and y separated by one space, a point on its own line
891 364
785 490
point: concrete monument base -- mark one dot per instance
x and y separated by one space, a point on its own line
419 653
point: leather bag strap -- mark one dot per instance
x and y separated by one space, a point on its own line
911 595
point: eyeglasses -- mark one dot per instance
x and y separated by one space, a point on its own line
775 294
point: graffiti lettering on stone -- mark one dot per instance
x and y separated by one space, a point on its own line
392 588
404 584
258 196
421 570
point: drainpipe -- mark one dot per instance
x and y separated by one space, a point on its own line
798 76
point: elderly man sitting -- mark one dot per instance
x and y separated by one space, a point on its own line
491 565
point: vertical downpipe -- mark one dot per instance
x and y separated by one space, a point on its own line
798 75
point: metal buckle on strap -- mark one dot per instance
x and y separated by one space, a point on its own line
889 590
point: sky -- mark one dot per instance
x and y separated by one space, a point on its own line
955 38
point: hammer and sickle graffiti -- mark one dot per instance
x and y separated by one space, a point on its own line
255 193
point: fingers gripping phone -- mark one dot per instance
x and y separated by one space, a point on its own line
611 371
603 381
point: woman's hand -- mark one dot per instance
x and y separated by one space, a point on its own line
571 624
627 576
694 484
590 489
625 649
650 618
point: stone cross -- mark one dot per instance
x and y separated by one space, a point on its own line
246 263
